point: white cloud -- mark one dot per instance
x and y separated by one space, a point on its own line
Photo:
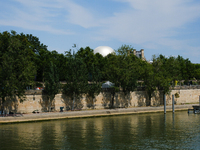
34 15
46 13
150 20
79 15
150 23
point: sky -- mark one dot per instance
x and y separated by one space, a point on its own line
167 27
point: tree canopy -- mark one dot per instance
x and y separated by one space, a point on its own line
52 84
76 78
25 60
17 68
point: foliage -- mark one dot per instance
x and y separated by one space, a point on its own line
176 95
41 55
125 50
23 59
149 79
17 68
76 78
197 71
52 83
121 70
163 78
94 66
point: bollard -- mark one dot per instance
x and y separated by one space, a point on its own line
173 103
199 100
164 104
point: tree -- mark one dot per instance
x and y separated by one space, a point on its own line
76 78
149 79
125 50
121 70
130 74
157 76
87 55
60 61
41 57
42 60
35 44
163 77
197 71
52 84
94 88
17 70
93 63
172 68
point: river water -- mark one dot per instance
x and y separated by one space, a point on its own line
139 131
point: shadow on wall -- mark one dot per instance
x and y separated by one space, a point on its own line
90 101
120 99
143 99
106 100
10 105
157 98
69 102
169 99
46 104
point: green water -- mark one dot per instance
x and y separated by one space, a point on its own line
141 131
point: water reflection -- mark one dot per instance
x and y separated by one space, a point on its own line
152 131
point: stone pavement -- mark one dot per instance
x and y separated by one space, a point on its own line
44 116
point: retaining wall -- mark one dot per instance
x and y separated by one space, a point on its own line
35 100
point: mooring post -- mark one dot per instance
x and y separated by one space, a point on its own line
199 100
173 103
165 104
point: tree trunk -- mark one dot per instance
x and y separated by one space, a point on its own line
112 101
49 105
73 102
2 105
93 102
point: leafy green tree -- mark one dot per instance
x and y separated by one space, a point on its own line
186 68
60 61
158 75
125 50
163 78
42 60
76 78
121 71
100 62
87 55
52 84
149 79
17 70
35 44
94 66
94 88
197 71
113 75
41 57
179 68
91 59
130 73
172 68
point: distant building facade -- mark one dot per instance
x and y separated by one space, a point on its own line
139 54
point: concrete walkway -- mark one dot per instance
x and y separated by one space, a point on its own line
88 113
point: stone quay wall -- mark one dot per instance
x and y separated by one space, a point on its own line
35 100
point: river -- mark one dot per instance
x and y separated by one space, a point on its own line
138 131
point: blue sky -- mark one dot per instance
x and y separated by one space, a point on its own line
167 27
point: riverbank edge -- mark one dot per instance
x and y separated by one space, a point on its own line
89 114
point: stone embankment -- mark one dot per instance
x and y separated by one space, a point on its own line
88 113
